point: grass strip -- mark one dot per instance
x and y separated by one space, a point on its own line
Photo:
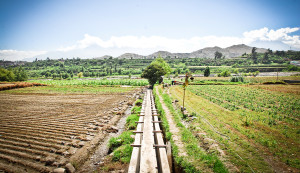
191 143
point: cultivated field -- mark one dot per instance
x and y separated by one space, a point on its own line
250 128
43 128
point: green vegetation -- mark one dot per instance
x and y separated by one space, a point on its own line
155 70
206 72
224 73
71 90
97 68
131 119
253 122
197 160
120 146
123 139
10 75
111 82
278 106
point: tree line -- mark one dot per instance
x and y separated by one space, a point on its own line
13 74
71 68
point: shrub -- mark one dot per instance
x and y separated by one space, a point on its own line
124 138
293 68
130 121
225 73
237 79
123 154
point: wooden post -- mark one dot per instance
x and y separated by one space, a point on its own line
183 98
186 83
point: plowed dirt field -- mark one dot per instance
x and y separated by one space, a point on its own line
41 132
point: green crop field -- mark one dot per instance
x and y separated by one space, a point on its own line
82 86
111 82
256 127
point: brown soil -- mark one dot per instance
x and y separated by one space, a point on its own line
39 133
9 85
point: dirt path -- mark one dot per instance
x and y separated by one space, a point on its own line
176 136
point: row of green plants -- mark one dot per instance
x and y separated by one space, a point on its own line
278 106
212 121
196 156
250 130
110 82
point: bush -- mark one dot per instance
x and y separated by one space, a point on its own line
237 79
124 138
225 73
293 68
136 110
123 154
130 121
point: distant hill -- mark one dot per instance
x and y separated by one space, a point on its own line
130 56
103 57
208 52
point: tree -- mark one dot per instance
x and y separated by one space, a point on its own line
153 72
206 72
266 57
161 62
20 74
218 55
270 51
254 55
6 75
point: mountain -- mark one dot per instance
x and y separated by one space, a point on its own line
103 57
163 54
130 56
238 50
208 52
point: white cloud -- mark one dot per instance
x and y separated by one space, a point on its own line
281 35
146 45
154 42
187 45
15 55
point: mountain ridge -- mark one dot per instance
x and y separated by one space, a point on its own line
207 52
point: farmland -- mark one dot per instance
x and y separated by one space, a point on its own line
45 127
251 128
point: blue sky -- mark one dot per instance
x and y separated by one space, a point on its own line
93 28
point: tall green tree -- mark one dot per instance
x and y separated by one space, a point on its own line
266 57
153 72
161 62
254 55
206 72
